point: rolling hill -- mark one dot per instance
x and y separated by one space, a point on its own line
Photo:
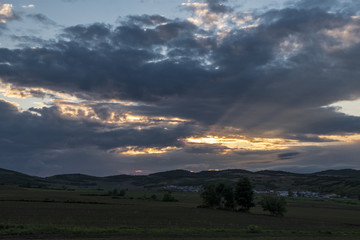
345 182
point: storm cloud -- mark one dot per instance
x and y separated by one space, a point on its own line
275 79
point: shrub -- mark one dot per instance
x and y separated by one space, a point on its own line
274 204
153 197
168 198
210 196
122 193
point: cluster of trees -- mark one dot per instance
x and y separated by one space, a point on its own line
240 198
223 195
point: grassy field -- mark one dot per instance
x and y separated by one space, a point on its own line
85 214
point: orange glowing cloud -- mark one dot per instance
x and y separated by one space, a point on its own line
243 143
348 138
5 12
85 111
132 150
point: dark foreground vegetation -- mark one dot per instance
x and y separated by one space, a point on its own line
224 196
29 213
241 198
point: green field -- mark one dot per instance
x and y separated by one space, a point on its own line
27 213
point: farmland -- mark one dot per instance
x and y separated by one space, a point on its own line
28 213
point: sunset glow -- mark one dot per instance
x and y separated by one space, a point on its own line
242 143
144 151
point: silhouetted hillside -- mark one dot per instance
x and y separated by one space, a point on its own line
345 182
342 172
8 177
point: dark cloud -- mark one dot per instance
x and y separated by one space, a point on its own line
309 138
147 20
55 132
28 41
95 32
27 136
128 72
130 34
315 159
217 6
288 155
308 4
167 64
272 80
205 149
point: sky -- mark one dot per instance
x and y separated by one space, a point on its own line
141 86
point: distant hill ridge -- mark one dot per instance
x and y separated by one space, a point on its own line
345 181
342 172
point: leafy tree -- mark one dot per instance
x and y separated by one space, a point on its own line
210 196
274 204
218 195
244 194
226 194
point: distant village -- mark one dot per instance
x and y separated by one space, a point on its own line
308 194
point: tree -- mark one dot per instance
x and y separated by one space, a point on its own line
225 195
244 194
210 196
218 195
274 204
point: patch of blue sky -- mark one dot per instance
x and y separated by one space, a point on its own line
69 12
25 104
